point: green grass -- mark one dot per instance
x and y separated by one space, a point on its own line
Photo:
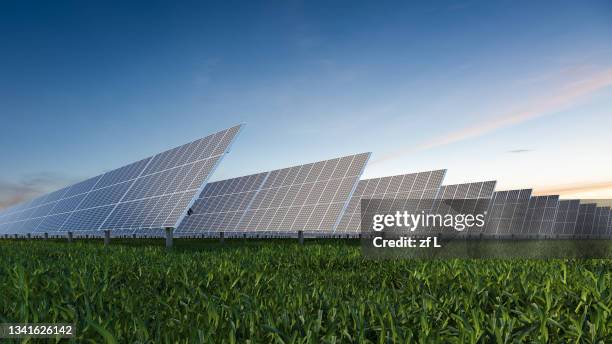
280 292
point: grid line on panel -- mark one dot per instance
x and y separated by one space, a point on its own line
478 197
232 193
66 197
596 218
601 221
18 217
51 201
84 204
609 224
178 204
205 180
124 194
303 197
161 206
540 216
322 194
313 182
496 210
317 203
346 204
507 212
565 220
82 200
403 187
603 229
310 190
123 174
20 212
609 231
586 219
305 172
281 220
346 195
352 213
462 191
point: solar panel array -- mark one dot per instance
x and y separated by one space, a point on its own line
541 213
507 213
405 187
169 190
151 193
567 215
307 198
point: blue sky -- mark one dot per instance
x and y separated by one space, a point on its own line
514 91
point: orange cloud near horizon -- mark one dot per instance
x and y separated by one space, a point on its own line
574 190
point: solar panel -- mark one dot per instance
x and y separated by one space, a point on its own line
403 187
586 220
154 192
477 190
565 220
609 227
307 198
601 221
609 231
540 217
507 213
466 198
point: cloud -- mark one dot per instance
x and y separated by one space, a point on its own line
574 188
518 151
30 187
570 95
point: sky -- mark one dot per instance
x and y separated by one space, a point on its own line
514 91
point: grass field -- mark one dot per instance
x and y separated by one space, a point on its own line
280 292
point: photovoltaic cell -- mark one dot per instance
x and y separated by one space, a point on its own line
154 192
507 213
565 220
401 188
541 213
306 198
